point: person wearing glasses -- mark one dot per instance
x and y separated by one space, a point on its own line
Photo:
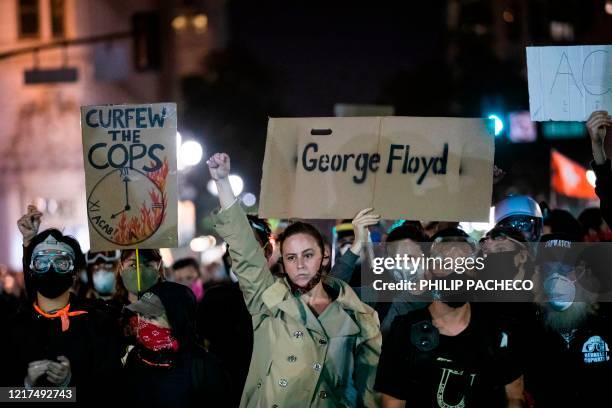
101 269
522 213
56 341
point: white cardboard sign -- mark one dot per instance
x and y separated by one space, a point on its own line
568 83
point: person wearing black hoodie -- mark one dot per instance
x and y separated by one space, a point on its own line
55 341
167 366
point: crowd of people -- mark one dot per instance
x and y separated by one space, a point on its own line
290 326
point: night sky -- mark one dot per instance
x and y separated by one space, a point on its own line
323 53
298 59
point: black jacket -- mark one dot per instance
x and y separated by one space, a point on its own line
196 378
603 188
231 339
91 344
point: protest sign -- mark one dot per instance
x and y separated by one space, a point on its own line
568 83
403 167
130 174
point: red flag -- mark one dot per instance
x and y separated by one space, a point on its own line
569 178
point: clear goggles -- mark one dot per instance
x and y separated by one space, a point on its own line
449 246
500 236
42 261
106 257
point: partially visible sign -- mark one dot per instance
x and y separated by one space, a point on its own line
130 172
568 83
50 75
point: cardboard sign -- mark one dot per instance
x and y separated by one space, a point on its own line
403 167
130 174
568 83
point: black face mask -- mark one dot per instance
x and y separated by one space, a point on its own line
52 284
453 298
499 266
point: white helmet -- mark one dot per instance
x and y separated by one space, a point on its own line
520 212
517 205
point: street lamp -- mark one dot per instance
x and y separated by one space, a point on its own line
189 153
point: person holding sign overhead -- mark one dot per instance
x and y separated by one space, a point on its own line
315 343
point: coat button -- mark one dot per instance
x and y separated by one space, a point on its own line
292 359
298 334
316 366
282 382
322 395
274 406
259 384
322 342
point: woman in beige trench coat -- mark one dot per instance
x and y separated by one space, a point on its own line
315 343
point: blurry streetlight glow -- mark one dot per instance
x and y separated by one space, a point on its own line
179 22
201 244
508 16
200 22
249 199
190 154
591 177
235 181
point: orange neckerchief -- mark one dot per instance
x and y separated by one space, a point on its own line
63 314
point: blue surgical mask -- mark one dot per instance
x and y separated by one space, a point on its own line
104 282
560 291
83 277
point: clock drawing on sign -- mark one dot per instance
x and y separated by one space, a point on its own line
127 206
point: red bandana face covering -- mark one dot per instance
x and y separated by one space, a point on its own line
153 337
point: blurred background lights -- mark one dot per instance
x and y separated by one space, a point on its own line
200 22
179 22
202 243
249 199
591 178
499 125
235 181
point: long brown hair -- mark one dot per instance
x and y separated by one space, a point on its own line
300 227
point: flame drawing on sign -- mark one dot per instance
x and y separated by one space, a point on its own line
152 213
